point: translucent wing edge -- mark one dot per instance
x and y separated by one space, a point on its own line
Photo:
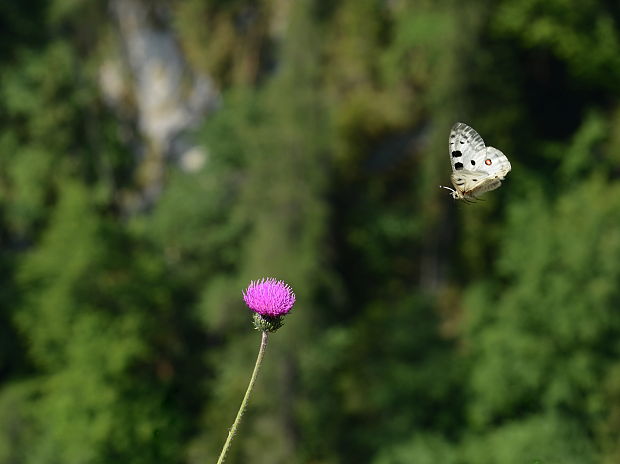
460 128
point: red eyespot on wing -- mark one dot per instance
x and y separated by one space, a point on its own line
488 162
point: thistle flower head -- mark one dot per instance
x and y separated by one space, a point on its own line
269 297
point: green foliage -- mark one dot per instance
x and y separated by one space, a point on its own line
90 332
396 395
583 34
551 337
546 440
17 427
426 449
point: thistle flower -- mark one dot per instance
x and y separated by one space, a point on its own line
271 300
269 297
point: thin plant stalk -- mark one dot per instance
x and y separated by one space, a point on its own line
244 403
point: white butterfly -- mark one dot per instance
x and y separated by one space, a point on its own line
476 168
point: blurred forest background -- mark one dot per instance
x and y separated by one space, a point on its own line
155 156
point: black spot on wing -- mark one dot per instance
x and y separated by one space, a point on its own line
473 163
458 166
456 154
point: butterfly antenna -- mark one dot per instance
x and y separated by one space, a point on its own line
447 188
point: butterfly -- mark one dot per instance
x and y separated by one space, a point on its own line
476 168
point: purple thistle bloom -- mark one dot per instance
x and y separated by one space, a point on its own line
269 297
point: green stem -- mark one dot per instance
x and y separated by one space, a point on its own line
244 403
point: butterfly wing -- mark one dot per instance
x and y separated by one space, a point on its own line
471 183
476 168
465 146
495 163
